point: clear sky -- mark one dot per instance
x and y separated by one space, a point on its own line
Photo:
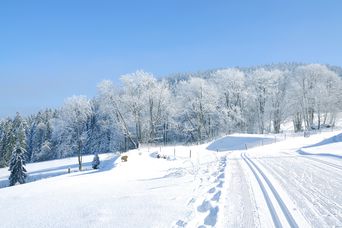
53 49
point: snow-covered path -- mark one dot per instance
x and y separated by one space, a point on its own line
275 186
315 187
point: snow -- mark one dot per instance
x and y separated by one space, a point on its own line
240 142
328 147
194 186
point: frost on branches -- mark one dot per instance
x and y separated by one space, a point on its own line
183 108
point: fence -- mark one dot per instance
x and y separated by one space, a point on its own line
283 136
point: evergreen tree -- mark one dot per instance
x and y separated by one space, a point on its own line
18 171
7 142
96 162
19 127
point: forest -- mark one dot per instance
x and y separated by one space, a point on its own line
182 108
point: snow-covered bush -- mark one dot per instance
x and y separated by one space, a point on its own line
96 162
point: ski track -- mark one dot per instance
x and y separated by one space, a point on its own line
286 194
323 162
275 217
257 188
312 188
280 202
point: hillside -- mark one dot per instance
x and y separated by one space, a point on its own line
265 186
206 74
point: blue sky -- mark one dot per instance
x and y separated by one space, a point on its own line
53 49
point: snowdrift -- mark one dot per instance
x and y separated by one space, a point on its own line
328 147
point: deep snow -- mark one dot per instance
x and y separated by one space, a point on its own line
264 186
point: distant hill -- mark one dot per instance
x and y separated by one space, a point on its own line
279 66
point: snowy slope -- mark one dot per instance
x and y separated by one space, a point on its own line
328 147
196 186
48 169
143 192
273 185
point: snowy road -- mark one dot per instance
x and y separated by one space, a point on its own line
274 186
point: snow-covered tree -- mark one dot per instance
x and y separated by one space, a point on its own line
148 102
117 116
230 86
18 157
74 115
17 166
19 131
180 108
265 92
315 92
134 98
39 132
197 106
7 142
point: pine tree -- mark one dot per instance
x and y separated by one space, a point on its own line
7 143
96 162
17 163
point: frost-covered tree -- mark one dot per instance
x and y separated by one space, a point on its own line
148 102
315 90
259 84
197 106
134 99
74 116
19 131
111 106
182 108
161 111
39 133
230 86
17 166
278 104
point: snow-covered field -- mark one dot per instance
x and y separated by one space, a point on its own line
296 182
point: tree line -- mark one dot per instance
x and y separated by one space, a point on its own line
183 108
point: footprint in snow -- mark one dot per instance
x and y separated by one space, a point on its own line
214 174
211 219
220 185
181 223
221 176
205 206
212 190
217 196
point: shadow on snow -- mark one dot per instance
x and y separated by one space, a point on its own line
238 143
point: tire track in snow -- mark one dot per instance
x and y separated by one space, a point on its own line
281 203
270 206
